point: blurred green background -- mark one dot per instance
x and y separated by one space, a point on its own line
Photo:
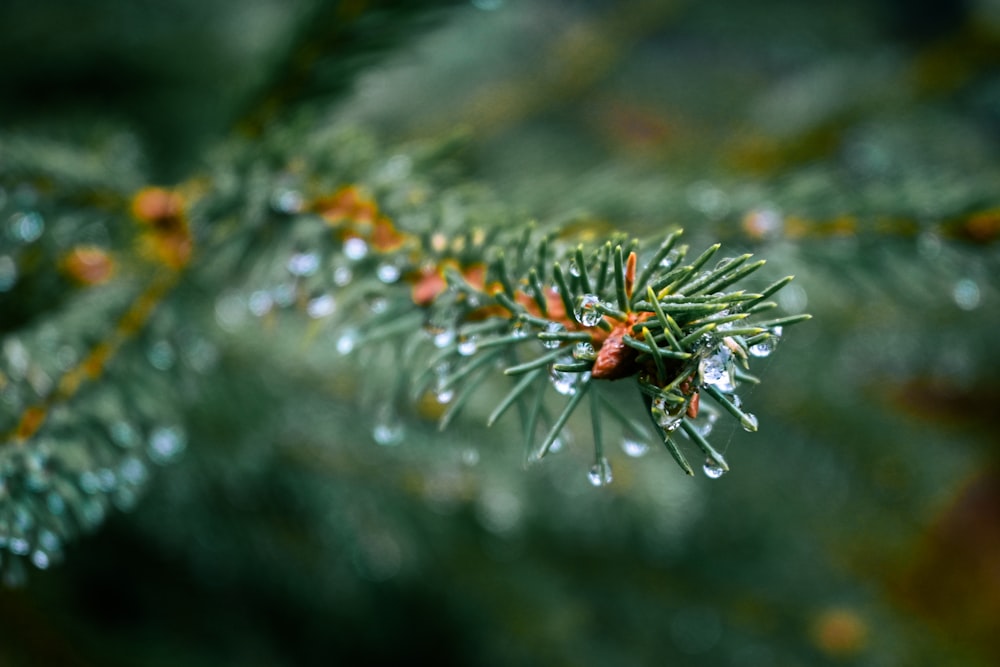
854 144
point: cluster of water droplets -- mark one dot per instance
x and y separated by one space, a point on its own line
21 225
58 485
716 369
66 463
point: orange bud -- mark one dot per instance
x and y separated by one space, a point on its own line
88 265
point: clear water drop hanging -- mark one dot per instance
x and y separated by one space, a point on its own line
767 346
347 341
388 272
260 303
444 338
442 391
342 276
321 306
666 415
467 346
713 469
303 264
166 443
287 201
567 382
600 473
633 447
355 248
553 328
586 310
388 429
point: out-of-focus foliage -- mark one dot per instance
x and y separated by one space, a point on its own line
853 144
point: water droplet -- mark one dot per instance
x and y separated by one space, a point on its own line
260 303
713 469
26 227
574 269
40 559
124 498
749 422
567 382
600 473
768 345
321 306
966 294
562 441
584 350
586 311
106 479
8 273
716 370
92 513
166 443
444 395
342 276
48 540
55 503
671 258
18 545
378 304
553 327
287 201
347 341
442 391
443 338
133 471
519 330
123 434
667 415
161 355
396 168
303 264
199 353
388 273
355 248
705 421
467 346
388 429
283 294
470 456
230 311
88 482
634 447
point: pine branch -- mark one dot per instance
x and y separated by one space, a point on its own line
382 267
